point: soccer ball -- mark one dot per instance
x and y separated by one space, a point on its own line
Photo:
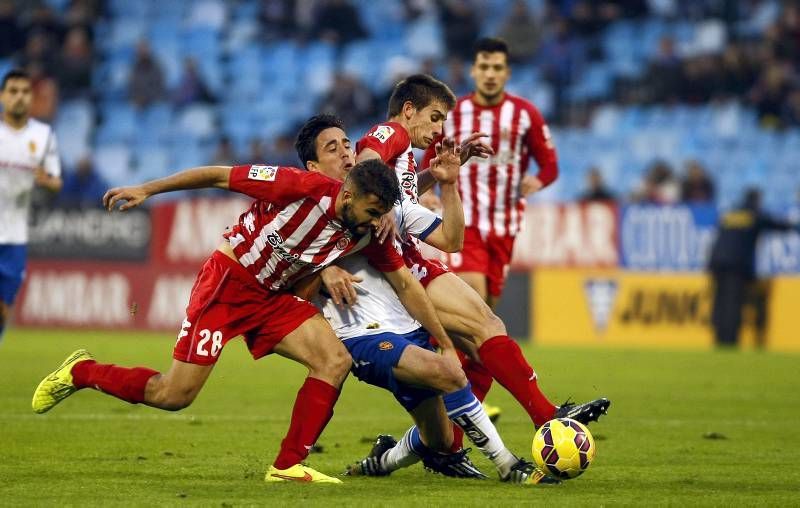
563 448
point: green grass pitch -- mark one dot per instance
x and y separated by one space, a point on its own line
653 448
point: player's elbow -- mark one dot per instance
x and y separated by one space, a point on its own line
455 244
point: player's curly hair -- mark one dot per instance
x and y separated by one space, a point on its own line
306 142
420 90
489 45
372 176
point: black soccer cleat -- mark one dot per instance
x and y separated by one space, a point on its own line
371 464
526 473
583 413
456 465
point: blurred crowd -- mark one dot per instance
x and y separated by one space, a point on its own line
742 50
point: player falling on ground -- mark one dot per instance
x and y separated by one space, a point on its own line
390 349
28 157
299 223
418 108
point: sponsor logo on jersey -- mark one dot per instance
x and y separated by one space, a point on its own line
385 346
600 296
383 133
263 173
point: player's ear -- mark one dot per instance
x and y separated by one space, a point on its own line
312 166
409 109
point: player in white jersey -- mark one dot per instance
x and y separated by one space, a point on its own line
392 350
28 157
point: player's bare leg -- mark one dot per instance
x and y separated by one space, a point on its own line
470 317
178 387
314 345
477 281
420 367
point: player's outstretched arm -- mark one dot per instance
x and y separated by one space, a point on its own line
413 297
195 178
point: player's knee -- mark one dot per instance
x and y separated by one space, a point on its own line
448 377
491 325
334 367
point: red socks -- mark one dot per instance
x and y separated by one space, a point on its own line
121 382
503 358
313 409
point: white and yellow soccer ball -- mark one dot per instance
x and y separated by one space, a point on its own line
563 448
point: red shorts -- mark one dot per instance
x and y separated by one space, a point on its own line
226 302
424 269
489 256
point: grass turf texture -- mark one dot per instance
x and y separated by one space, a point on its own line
685 428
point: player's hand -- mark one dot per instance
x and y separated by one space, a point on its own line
451 355
529 185
445 166
387 227
339 284
475 146
133 196
42 179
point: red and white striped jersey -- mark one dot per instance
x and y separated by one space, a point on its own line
490 188
392 142
291 230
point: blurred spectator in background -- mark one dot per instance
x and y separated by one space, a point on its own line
460 24
45 92
732 266
659 186
41 19
770 93
283 152
561 57
224 154
12 37
456 77
146 82
256 153
339 22
697 187
738 75
521 31
349 99
191 86
84 187
596 189
790 115
277 19
38 48
663 75
74 69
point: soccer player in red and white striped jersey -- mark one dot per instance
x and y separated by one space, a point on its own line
299 223
493 190
418 108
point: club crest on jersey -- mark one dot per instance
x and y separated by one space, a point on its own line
32 146
342 243
383 133
263 173
385 346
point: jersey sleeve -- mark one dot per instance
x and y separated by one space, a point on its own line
389 140
51 162
540 144
271 183
416 220
382 256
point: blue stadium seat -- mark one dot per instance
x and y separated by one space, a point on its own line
113 162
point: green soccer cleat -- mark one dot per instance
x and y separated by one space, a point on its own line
298 473
58 385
